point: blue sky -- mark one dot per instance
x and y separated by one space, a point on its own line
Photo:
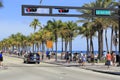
11 20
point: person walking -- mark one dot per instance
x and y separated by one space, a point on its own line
83 59
1 59
92 58
108 58
113 58
67 57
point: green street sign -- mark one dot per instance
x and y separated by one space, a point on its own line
103 12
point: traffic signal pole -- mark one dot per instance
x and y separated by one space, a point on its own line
62 10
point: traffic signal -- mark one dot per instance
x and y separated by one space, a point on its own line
31 9
63 10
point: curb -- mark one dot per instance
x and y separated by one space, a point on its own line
113 73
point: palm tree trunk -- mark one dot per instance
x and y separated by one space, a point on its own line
43 49
13 48
91 45
106 40
70 47
66 44
111 40
62 48
116 40
19 48
100 43
62 43
56 47
71 44
33 47
87 45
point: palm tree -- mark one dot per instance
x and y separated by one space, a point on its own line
32 37
84 31
72 28
64 37
62 33
34 25
114 28
54 26
88 30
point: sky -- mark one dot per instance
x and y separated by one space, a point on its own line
11 20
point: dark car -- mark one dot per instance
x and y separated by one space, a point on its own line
31 57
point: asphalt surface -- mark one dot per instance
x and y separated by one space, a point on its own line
15 69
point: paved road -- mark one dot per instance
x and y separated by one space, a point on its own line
19 71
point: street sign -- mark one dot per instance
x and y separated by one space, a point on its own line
102 12
49 44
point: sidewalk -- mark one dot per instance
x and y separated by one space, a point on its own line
97 67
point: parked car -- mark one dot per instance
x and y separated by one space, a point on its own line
31 57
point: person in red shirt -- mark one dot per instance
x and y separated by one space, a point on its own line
108 58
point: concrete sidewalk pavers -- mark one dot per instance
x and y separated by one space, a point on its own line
98 67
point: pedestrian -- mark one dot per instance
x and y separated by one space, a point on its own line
83 60
38 56
113 58
42 55
67 57
108 58
79 58
48 54
92 58
96 57
70 56
1 59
